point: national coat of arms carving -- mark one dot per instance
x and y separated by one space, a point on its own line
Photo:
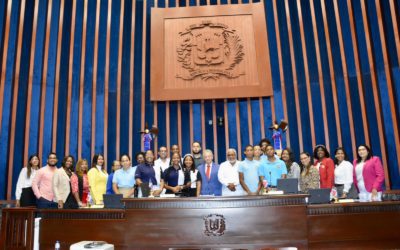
214 225
209 50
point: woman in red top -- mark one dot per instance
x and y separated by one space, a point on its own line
325 165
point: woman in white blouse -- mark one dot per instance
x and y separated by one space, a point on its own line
24 193
344 175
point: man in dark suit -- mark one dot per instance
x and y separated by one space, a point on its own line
210 184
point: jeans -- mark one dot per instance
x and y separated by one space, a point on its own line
42 203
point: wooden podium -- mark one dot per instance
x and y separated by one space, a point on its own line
255 222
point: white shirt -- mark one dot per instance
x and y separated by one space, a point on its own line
163 164
344 175
24 181
229 173
360 177
364 195
193 178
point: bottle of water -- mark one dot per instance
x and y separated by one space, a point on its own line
57 245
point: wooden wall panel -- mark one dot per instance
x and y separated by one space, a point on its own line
98 54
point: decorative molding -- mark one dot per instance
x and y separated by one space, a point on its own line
212 203
360 208
94 214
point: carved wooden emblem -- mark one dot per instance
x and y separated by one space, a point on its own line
209 50
214 225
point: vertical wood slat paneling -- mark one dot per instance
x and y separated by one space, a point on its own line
239 141
15 97
57 80
357 65
226 124
389 82
344 67
118 125
44 78
249 122
107 82
167 109
167 125
179 121
214 121
142 118
375 91
29 92
191 123
82 78
70 70
294 73
208 109
320 76
308 82
281 74
395 28
203 125
131 77
4 59
94 82
155 108
332 74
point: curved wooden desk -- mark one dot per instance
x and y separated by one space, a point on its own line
252 222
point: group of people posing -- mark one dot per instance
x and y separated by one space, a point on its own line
196 174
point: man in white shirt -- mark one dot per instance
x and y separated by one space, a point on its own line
161 164
163 160
228 175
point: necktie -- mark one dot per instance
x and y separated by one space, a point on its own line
208 171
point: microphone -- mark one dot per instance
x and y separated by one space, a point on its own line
270 179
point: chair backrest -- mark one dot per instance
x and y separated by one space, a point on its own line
113 201
319 196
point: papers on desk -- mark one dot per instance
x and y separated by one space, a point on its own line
345 200
167 196
94 206
274 192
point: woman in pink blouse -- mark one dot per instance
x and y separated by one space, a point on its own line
368 175
80 182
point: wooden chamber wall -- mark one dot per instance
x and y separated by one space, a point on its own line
75 80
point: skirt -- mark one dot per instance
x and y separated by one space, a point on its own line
28 198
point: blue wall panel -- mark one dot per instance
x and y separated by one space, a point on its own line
8 87
20 122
